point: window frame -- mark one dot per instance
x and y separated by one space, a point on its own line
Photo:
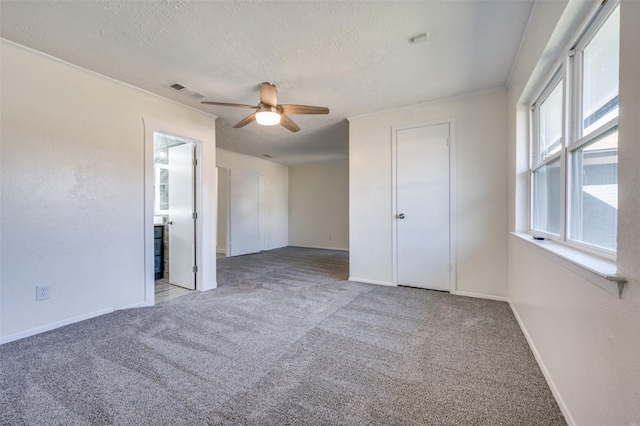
558 78
568 71
156 188
536 162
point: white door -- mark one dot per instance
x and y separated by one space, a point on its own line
422 206
244 212
262 189
181 221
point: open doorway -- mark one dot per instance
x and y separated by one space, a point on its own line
174 183
205 202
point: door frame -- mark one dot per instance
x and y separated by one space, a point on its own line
205 195
452 197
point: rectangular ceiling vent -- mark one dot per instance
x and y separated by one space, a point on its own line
187 91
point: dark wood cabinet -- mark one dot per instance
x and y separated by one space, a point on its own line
158 250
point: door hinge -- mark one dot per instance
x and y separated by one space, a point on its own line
572 52
448 141
195 162
194 269
194 215
450 267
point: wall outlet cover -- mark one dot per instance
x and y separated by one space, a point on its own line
42 292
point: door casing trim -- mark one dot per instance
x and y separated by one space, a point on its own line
205 185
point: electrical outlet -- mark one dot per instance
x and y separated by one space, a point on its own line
42 292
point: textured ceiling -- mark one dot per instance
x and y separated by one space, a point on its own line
353 57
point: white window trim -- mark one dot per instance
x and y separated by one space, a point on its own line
592 263
596 269
576 139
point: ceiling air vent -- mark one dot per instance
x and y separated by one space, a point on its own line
187 91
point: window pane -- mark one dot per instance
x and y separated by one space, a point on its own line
546 198
161 155
594 193
164 175
164 197
600 75
551 123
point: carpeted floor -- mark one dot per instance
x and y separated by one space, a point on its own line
283 340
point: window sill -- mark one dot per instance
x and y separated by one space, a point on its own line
599 271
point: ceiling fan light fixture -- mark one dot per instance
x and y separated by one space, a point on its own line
268 116
269 112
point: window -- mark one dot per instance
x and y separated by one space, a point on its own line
574 161
546 183
551 123
161 187
161 174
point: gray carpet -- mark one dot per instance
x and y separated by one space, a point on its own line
283 340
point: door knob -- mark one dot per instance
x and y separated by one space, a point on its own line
170 222
400 216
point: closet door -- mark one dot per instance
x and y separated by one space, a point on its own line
244 212
422 217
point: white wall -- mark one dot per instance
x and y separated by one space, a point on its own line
319 205
223 209
73 190
277 189
481 200
586 339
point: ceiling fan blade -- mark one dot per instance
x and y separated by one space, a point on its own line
303 109
288 123
268 94
227 104
245 121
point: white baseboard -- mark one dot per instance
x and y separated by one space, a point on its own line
322 248
54 325
138 305
209 286
543 368
480 296
368 281
277 246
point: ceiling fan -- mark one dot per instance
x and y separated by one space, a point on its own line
269 113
